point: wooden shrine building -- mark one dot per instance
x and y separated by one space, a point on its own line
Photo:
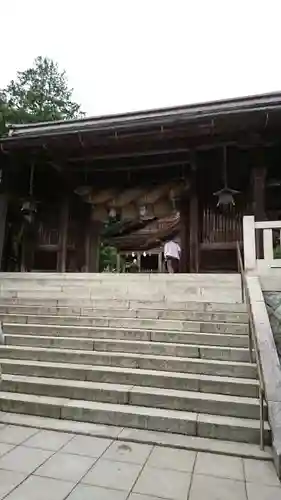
200 168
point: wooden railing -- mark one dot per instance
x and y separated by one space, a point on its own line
254 353
47 237
220 230
261 239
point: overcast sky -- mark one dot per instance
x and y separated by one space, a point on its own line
124 55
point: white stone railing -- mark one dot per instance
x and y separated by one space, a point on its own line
251 229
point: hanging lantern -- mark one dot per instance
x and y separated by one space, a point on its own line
226 194
146 212
28 207
225 197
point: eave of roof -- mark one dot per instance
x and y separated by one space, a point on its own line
144 119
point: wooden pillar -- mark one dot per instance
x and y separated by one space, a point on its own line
258 201
139 261
118 263
160 262
193 225
258 187
64 219
249 242
184 234
124 262
92 247
3 216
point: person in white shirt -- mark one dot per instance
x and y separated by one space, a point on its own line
172 254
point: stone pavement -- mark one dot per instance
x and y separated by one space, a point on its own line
38 464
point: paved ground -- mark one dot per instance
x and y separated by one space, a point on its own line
49 465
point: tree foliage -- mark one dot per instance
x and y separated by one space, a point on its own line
39 93
108 258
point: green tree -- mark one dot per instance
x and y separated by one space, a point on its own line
108 258
39 93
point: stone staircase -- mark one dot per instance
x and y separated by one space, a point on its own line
158 352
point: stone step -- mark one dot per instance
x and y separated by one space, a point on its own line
134 291
175 286
115 284
212 295
154 352
207 366
134 346
76 306
138 346
85 334
120 283
153 397
56 329
180 422
68 276
142 436
130 376
130 323
142 313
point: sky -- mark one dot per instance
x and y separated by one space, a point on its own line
128 55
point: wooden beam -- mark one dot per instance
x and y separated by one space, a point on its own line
134 154
178 145
127 168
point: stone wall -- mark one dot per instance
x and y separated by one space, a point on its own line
273 305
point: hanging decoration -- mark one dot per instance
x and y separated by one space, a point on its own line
226 194
85 189
112 213
142 211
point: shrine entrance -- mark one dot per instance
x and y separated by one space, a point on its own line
134 181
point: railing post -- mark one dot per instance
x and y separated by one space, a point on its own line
249 243
268 246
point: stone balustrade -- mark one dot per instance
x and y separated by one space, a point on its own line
259 252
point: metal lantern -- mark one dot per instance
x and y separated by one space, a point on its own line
225 197
226 194
29 207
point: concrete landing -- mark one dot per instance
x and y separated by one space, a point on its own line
44 460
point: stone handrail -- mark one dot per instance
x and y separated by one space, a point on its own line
270 365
